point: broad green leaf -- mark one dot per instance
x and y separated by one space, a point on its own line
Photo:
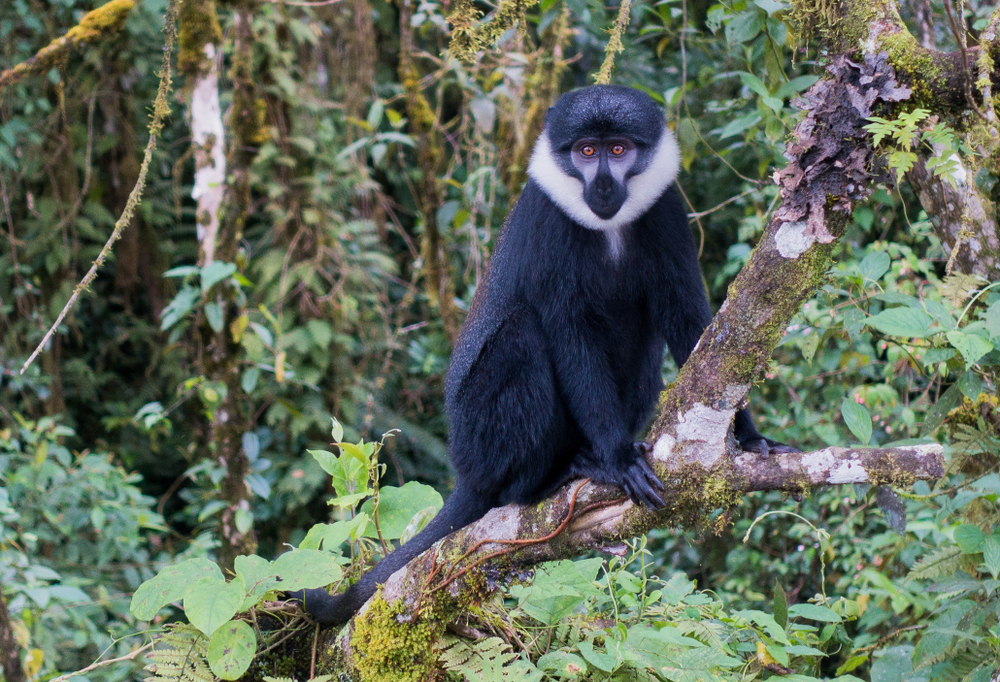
894 664
215 272
813 612
602 661
303 569
754 83
993 319
170 585
178 307
565 664
780 605
256 575
854 321
398 506
991 555
745 26
231 649
418 523
795 85
213 313
350 476
766 621
858 419
971 346
559 587
852 663
210 603
936 415
905 322
969 538
875 265
799 650
777 652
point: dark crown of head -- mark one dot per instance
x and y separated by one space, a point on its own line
603 111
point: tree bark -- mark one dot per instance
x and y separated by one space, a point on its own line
963 219
10 659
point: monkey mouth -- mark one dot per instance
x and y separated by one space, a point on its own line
605 209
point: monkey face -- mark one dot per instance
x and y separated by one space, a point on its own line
604 165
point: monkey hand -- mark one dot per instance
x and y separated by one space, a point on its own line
323 607
638 479
766 446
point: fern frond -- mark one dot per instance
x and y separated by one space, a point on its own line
941 562
180 655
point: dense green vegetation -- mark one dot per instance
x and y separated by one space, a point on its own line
375 173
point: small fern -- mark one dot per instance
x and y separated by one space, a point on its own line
941 562
180 655
488 660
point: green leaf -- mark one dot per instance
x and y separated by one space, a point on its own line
780 605
906 322
249 379
398 506
563 663
559 587
212 602
215 272
767 622
937 414
858 419
601 661
875 265
814 612
777 652
854 321
969 538
179 307
991 555
894 664
170 585
754 83
350 476
745 26
971 346
304 569
213 313
852 663
795 85
255 574
231 649
993 319
336 430
799 650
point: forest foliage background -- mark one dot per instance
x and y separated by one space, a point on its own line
375 172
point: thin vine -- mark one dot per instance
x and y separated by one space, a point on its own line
161 108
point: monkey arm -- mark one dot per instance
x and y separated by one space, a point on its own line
588 387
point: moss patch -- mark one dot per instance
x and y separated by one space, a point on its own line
387 647
198 25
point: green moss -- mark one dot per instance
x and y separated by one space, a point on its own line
198 25
384 648
105 18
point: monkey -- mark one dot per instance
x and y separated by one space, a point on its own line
558 364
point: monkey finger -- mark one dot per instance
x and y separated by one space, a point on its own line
650 475
780 448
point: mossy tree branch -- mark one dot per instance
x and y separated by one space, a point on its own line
96 24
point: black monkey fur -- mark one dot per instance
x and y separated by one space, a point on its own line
559 362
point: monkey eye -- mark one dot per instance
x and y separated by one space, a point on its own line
618 150
587 150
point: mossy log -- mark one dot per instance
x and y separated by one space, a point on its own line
100 22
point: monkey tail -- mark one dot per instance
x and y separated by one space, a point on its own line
462 508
